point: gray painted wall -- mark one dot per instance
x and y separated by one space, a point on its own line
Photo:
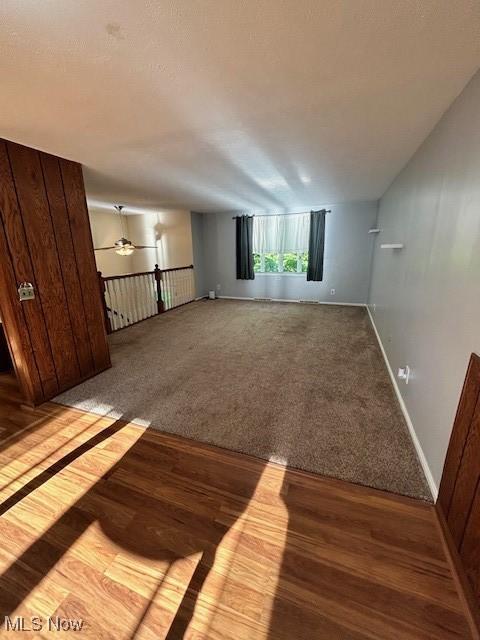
348 254
427 295
198 242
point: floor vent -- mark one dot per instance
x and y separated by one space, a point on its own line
309 301
263 299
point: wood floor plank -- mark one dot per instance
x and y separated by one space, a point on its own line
146 535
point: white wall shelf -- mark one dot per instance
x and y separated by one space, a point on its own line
391 246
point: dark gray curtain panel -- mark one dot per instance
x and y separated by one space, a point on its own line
244 228
316 246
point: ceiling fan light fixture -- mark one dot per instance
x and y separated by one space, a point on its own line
123 242
126 250
124 247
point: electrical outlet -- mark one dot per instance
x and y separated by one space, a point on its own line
374 307
404 373
219 286
332 292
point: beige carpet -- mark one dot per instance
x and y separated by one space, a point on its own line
299 384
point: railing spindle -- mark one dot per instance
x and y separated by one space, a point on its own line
101 282
130 298
124 309
166 285
109 302
135 298
129 301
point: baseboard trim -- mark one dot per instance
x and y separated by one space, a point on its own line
416 442
340 304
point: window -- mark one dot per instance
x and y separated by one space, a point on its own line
280 243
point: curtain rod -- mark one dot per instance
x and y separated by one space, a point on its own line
276 215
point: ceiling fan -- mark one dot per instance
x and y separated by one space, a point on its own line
123 246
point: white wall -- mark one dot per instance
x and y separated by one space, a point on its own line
427 296
348 252
168 231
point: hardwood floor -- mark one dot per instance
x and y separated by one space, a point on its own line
143 535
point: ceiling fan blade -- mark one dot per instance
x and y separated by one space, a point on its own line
137 246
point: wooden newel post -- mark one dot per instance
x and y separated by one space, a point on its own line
158 280
101 284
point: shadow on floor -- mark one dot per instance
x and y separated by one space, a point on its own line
158 528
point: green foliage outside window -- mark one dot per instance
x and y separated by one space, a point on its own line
271 262
290 262
280 263
304 261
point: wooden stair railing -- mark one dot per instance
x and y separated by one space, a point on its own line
133 297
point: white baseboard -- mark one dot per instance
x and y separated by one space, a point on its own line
341 304
232 298
418 447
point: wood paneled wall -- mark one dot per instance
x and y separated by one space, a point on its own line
58 339
459 495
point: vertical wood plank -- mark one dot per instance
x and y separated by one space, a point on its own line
28 176
85 258
68 265
15 327
461 426
459 496
467 480
470 547
23 272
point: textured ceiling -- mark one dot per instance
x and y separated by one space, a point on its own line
229 104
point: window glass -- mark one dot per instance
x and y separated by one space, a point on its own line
303 261
271 263
291 262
